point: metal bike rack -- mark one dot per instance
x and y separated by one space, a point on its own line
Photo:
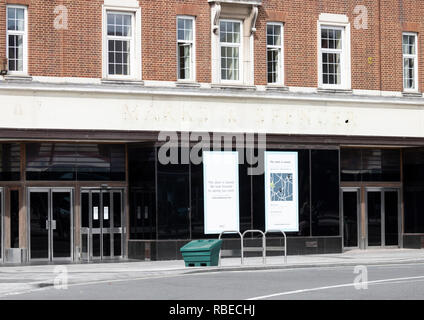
274 248
230 251
254 249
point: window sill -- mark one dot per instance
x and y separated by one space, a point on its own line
18 78
232 86
334 91
187 84
412 94
274 87
122 82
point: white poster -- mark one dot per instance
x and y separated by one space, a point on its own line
281 191
221 191
95 213
105 213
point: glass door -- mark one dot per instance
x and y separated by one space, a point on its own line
351 217
383 214
39 224
374 221
102 221
391 217
50 223
61 224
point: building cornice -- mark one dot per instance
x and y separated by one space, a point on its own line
214 93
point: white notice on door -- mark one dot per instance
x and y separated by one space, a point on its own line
95 213
106 213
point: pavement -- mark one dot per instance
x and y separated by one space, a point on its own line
15 280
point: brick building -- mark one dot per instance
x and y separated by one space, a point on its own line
87 86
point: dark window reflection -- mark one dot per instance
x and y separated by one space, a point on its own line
370 164
350 218
304 193
14 219
142 175
374 218
258 201
325 193
1 226
70 162
391 218
245 208
173 201
10 161
413 189
177 190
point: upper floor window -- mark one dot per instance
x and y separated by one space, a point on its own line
410 62
332 56
17 39
120 43
230 48
185 44
274 47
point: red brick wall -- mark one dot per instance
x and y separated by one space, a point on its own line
159 49
76 52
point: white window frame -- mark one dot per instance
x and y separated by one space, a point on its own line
135 49
280 68
413 56
192 43
241 48
338 22
24 33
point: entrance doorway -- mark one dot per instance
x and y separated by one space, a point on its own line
102 224
382 217
50 223
351 217
371 217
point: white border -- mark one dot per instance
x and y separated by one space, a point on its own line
136 59
24 71
416 61
241 56
281 62
340 22
193 43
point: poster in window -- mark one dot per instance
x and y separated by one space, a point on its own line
221 191
281 191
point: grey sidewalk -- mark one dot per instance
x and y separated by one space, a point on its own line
19 279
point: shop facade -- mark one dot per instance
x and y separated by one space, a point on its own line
89 90
90 195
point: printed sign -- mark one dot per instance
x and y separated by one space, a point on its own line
221 191
281 191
